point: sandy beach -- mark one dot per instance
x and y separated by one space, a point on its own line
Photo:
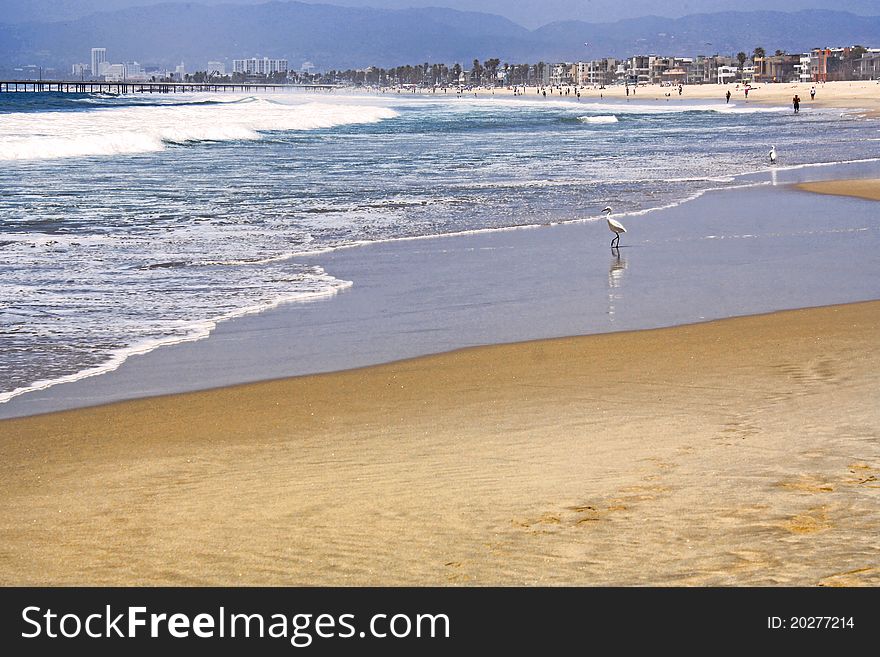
743 451
860 96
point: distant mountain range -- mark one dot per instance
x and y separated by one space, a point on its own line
530 13
342 37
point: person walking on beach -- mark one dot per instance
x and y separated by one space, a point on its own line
728 96
747 92
796 102
627 91
679 90
813 93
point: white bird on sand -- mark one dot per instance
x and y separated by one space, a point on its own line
614 226
773 155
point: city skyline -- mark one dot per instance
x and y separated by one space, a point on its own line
342 38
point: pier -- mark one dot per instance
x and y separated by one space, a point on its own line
82 87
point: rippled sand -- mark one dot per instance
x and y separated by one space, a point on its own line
743 451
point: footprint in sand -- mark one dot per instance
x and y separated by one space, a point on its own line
809 522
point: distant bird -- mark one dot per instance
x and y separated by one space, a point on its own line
773 155
614 226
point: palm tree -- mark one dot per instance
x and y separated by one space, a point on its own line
741 57
456 72
759 52
476 71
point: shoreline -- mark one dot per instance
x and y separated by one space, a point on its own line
676 456
860 96
555 239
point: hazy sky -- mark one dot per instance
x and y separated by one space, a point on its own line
531 13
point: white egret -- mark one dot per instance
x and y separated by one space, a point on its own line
614 226
773 155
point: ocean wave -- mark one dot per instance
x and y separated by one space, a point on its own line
131 129
320 286
610 118
130 100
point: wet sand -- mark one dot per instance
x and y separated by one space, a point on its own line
742 451
866 189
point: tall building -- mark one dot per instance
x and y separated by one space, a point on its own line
256 66
99 56
218 67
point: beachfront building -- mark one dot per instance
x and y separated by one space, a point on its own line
688 66
777 68
832 64
657 66
598 72
802 69
674 77
561 74
819 64
869 65
78 71
727 74
698 70
639 69
716 69
264 66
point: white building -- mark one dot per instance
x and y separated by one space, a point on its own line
114 72
180 71
99 58
79 70
803 69
561 74
254 66
135 72
727 74
217 67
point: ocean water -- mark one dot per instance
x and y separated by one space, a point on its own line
131 222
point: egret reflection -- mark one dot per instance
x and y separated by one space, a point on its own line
616 270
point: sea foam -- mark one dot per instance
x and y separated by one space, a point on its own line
598 119
146 129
